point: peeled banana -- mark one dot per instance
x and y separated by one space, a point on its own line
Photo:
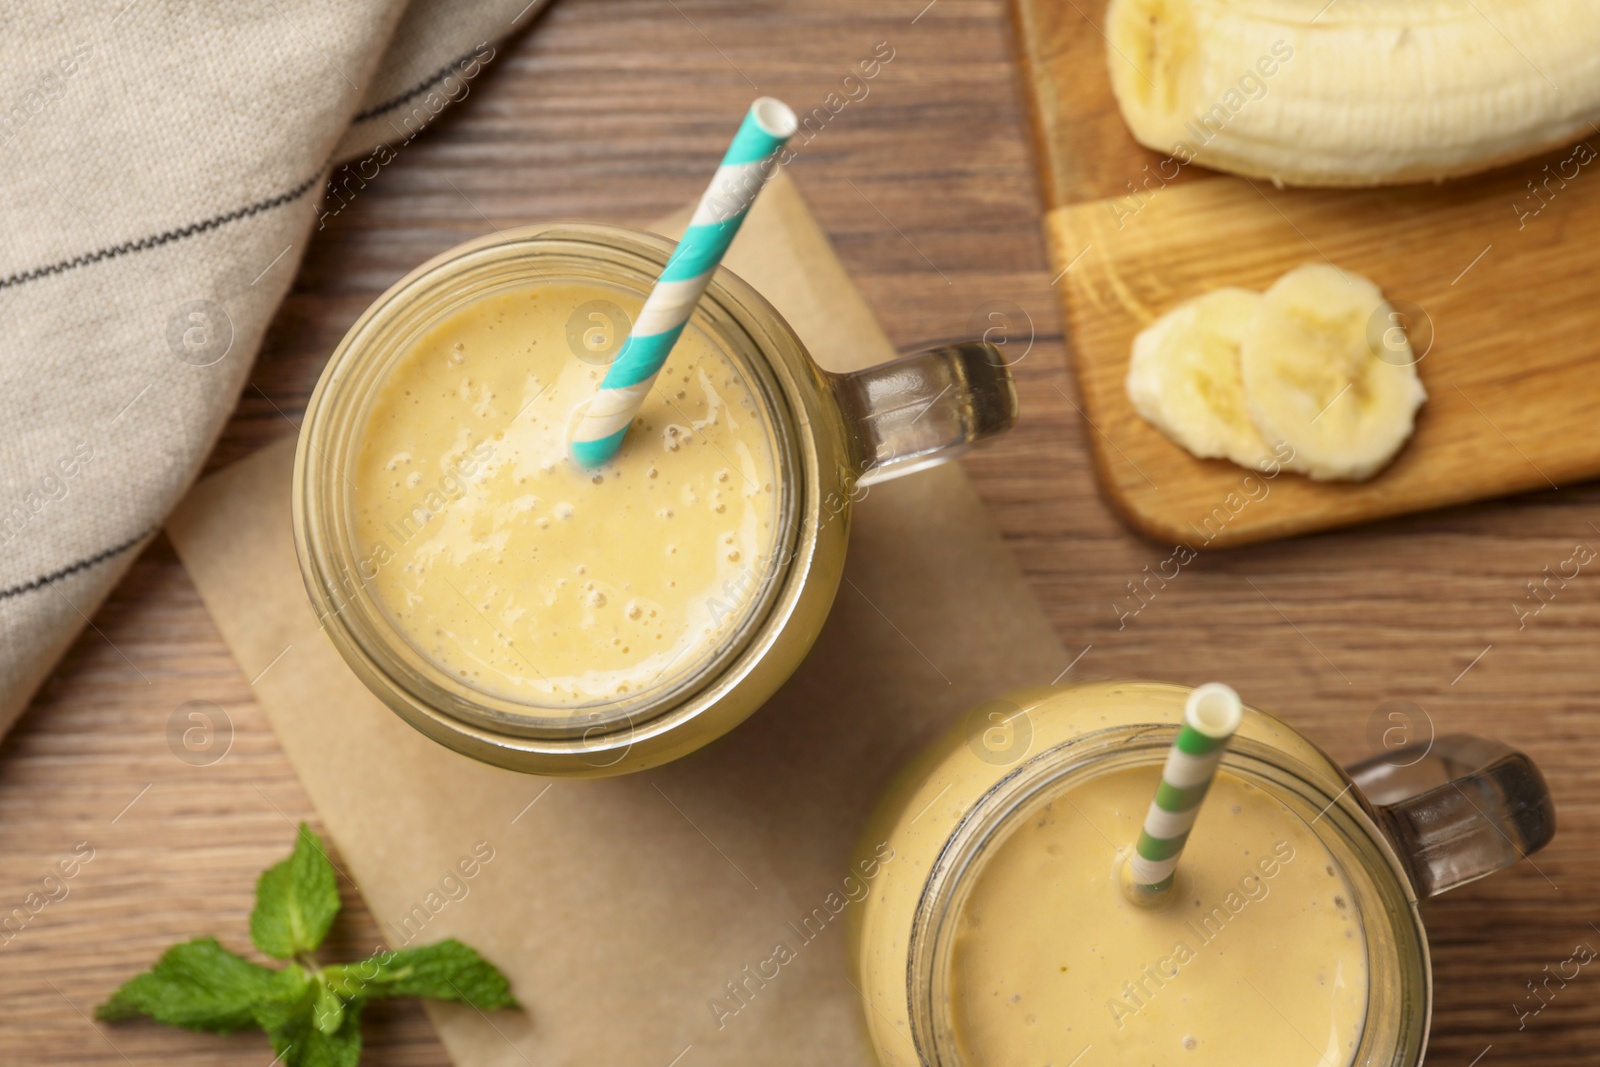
1355 92
1317 369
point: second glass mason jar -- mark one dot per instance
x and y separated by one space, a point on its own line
995 930
829 436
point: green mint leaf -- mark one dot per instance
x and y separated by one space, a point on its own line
198 985
301 1044
327 1011
448 970
296 900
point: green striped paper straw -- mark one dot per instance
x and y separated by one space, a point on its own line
1210 717
749 162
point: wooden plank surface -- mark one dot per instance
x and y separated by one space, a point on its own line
608 110
1492 277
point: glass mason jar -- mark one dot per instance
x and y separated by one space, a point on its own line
1403 826
832 436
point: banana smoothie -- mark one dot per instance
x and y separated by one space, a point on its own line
1259 959
1001 934
512 568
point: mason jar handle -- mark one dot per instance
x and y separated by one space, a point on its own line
1458 808
926 408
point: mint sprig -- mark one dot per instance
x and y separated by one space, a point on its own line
310 1011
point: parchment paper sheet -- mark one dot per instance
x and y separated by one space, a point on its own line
622 908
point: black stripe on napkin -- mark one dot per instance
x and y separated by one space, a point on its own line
74 568
167 237
416 90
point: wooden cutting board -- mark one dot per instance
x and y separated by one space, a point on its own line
1496 273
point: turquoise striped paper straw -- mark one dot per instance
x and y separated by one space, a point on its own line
745 169
1210 717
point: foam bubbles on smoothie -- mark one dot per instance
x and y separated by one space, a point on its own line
483 518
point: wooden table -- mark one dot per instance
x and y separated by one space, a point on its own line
612 110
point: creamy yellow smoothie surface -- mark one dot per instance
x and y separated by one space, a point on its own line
526 576
1259 958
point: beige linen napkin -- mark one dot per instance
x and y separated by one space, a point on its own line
636 915
161 166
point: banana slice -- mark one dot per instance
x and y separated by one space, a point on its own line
1324 371
1184 377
